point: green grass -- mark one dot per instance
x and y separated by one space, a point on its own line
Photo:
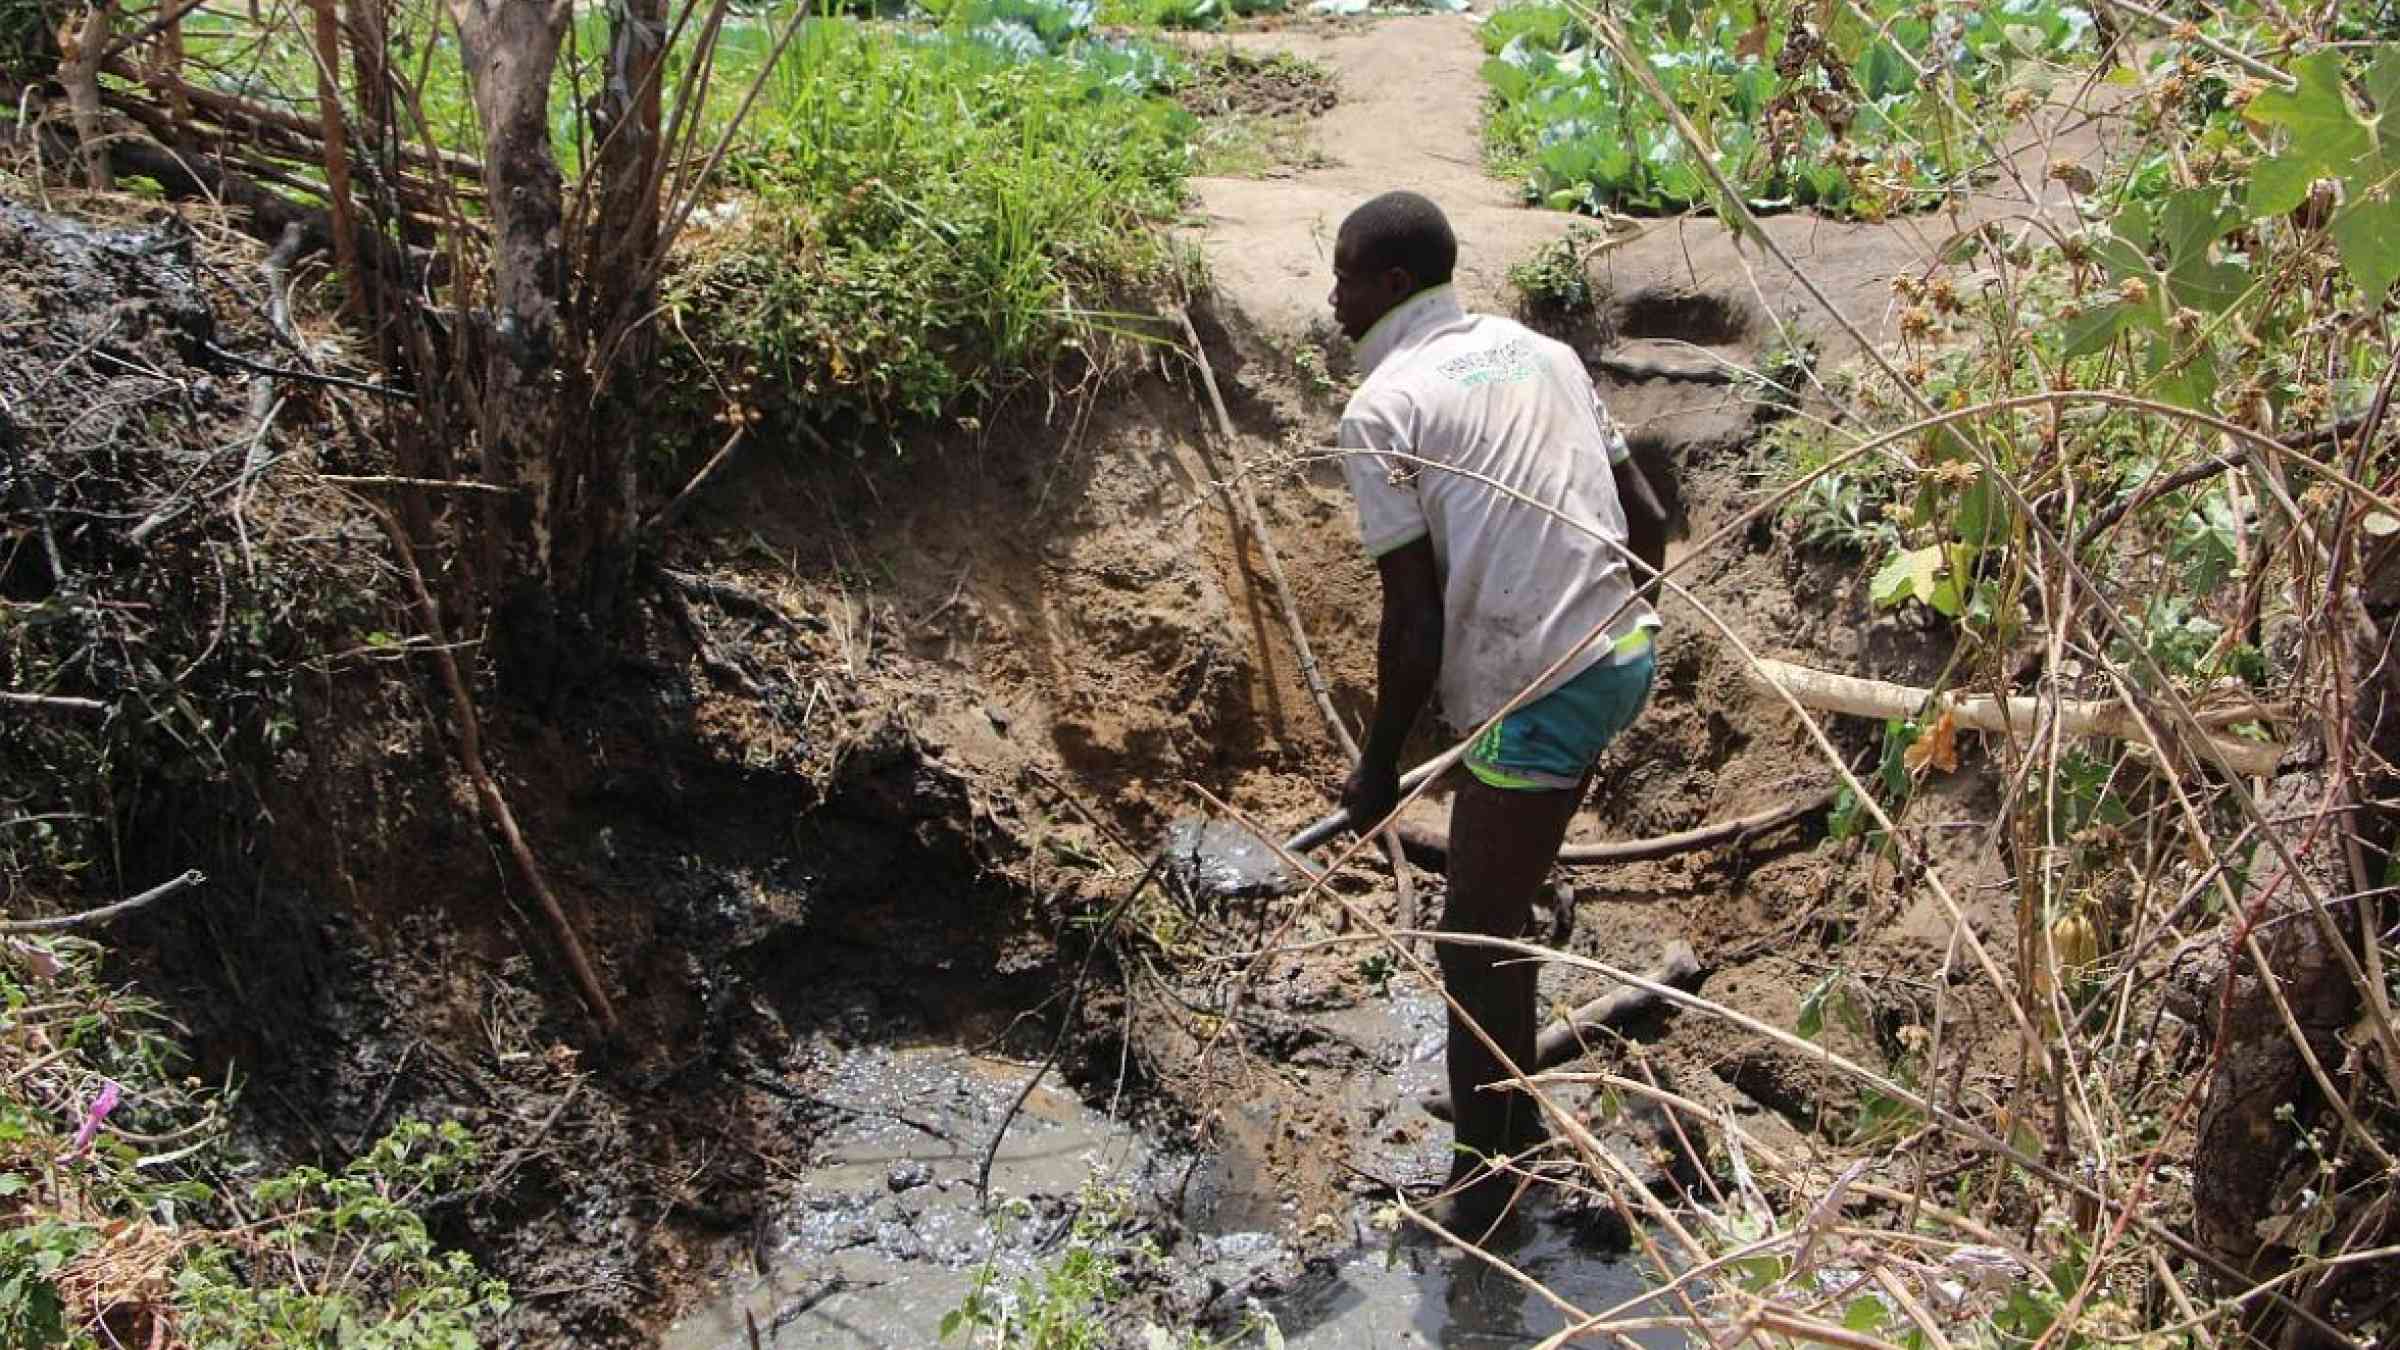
922 217
915 214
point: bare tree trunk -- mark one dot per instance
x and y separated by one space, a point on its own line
510 49
337 154
2251 1171
83 45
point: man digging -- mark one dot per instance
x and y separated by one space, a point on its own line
1482 593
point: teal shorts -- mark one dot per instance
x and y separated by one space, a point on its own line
1552 742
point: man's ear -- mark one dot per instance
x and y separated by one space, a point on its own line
1402 282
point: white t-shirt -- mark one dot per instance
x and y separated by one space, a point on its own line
1492 398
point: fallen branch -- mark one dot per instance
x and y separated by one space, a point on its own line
1431 848
106 912
385 480
1827 692
487 790
1563 1040
54 702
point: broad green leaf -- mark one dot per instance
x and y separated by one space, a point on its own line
1984 513
2094 328
2279 185
2136 224
1863 1314
2123 258
2383 81
2368 233
2194 219
2189 382
2210 287
1948 595
1911 572
2326 132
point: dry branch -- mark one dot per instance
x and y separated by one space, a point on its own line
1245 511
106 912
53 702
1828 692
487 789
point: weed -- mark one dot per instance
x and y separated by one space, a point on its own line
1315 371
1377 971
1555 282
931 215
102 1243
1190 15
1060 1305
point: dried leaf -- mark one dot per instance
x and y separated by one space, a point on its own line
1938 747
1753 44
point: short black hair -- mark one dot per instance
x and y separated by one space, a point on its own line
1403 230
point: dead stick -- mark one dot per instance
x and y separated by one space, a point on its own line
1563 1040
337 154
487 791
1828 692
106 912
1432 848
385 480
54 701
1246 512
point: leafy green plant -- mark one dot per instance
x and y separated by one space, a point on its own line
1556 282
1862 118
1060 1305
104 1243
359 1267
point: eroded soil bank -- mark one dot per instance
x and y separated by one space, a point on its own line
886 748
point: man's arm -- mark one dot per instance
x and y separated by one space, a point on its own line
1645 522
1408 661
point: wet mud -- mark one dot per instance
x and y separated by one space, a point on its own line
886 1233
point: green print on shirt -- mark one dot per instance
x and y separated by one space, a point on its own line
1509 363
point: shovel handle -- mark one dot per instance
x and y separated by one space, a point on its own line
1330 825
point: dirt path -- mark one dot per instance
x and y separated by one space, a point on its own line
1411 116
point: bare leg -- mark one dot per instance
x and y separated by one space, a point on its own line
1501 847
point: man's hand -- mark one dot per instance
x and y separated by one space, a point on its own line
1371 793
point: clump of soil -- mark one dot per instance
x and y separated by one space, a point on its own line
1231 82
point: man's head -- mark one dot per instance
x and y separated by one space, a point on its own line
1388 250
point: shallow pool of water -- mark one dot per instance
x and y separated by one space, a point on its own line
884 1238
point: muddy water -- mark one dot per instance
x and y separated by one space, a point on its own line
886 1236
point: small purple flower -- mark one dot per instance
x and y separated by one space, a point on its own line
101 1106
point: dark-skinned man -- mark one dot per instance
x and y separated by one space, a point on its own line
1483 593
